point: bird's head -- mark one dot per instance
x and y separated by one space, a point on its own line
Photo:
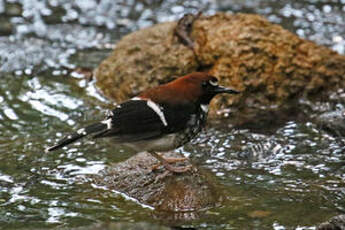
205 86
197 87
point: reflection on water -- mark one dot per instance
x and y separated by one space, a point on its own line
291 176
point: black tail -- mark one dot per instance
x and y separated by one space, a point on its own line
94 128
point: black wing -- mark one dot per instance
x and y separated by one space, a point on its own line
134 120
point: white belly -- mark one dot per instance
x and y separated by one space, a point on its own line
162 144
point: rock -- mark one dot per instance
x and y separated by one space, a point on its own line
271 65
191 191
6 27
144 59
335 223
333 122
13 9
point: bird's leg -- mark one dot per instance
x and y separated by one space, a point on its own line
169 167
175 159
169 160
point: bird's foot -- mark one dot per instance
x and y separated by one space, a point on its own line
166 163
179 169
169 167
175 159
172 169
162 176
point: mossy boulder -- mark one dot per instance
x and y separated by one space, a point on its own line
270 65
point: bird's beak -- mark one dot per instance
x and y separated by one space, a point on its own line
220 89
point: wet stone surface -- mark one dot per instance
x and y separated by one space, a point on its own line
334 122
284 173
335 223
191 191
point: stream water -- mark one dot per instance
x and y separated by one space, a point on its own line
283 175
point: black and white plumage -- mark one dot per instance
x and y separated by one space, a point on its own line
159 119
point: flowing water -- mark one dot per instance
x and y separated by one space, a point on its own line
281 175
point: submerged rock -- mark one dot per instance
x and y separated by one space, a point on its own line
335 223
333 122
271 65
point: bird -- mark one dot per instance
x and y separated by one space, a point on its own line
159 119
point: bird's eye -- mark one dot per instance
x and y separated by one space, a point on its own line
213 82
